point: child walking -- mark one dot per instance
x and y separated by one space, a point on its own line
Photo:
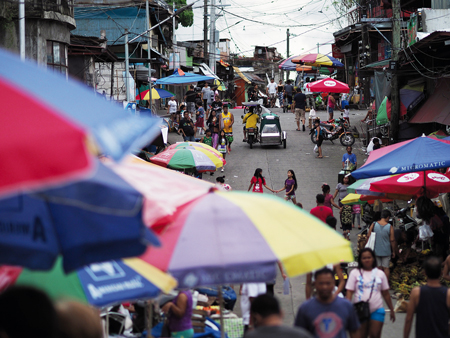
356 213
207 139
346 114
222 146
290 185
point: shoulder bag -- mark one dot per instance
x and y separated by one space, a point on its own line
362 308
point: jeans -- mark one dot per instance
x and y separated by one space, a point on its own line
189 138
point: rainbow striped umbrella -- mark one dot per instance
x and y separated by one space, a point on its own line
212 153
157 93
317 60
185 159
236 237
98 284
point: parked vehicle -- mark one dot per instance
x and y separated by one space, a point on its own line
340 130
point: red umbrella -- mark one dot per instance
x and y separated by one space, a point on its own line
328 85
429 183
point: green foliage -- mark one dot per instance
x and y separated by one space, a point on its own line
187 17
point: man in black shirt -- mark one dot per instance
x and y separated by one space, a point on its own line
267 320
189 98
187 128
299 108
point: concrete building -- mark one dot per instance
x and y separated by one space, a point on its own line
47 30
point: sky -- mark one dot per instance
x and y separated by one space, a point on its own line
264 23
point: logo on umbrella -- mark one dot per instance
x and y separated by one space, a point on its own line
393 170
408 178
329 83
438 178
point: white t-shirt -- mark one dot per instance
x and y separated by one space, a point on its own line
173 105
272 87
346 113
250 290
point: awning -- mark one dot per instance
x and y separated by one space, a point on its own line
378 64
242 76
207 71
437 107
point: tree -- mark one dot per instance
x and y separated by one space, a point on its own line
187 17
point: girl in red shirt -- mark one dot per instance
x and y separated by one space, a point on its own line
258 182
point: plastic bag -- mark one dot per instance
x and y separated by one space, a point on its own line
286 286
316 148
371 241
312 112
425 232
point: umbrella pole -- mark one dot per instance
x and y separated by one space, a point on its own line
150 319
107 324
222 329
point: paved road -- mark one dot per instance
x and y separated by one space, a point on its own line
311 173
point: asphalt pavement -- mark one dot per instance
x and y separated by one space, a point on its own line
311 173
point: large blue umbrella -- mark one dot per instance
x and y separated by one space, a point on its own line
179 78
94 220
115 131
422 153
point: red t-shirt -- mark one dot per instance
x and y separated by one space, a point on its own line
258 184
321 212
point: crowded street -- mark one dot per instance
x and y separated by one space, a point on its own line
224 169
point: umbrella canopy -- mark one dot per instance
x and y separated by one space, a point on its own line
423 183
50 107
352 199
410 96
328 85
93 220
287 64
220 85
185 159
313 70
362 186
151 180
384 111
317 59
98 284
223 238
180 78
212 153
157 93
421 153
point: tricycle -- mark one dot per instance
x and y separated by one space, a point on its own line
270 132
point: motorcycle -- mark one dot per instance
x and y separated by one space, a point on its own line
339 130
252 136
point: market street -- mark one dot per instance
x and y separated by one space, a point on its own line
311 173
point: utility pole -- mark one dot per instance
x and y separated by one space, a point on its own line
22 29
287 51
212 38
147 10
318 48
365 80
396 45
205 31
174 37
127 66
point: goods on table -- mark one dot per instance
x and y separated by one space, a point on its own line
362 239
405 277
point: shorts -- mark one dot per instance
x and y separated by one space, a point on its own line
200 122
299 114
289 197
319 143
190 107
289 99
378 315
383 261
229 137
346 227
183 334
330 110
272 96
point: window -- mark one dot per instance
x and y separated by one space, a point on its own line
57 56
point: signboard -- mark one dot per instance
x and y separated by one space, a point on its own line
337 54
412 30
